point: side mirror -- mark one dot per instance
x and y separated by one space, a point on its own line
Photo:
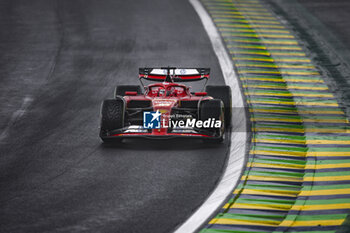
200 93
132 93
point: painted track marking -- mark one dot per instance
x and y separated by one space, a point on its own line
238 138
296 123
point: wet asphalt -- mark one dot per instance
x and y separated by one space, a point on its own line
58 61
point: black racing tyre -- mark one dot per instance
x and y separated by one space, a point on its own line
213 108
121 89
223 93
112 116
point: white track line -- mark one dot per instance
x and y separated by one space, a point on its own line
235 162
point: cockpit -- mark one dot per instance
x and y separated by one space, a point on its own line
169 91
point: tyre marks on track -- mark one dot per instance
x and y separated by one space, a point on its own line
16 116
297 176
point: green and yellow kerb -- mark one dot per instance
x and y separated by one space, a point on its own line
297 177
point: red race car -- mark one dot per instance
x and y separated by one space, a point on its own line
167 109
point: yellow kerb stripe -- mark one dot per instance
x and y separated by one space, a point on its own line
333 222
252 30
262 52
284 141
244 222
266 41
259 206
276 178
324 192
299 120
252 35
250 26
279 153
293 103
322 207
239 13
327 142
276 165
301 154
270 59
275 66
278 72
241 17
287 94
286 193
294 111
284 79
281 141
289 87
303 131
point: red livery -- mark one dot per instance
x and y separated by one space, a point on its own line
167 109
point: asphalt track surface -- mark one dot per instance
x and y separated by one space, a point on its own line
334 28
58 61
334 14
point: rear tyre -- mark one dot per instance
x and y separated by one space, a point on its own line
213 109
121 89
223 93
112 117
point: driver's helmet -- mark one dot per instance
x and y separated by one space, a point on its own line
161 91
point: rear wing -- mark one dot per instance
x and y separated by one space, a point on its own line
176 74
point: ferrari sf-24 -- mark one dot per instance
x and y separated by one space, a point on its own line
167 108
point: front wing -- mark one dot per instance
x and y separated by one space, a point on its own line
140 132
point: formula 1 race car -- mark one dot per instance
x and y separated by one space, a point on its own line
167 109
